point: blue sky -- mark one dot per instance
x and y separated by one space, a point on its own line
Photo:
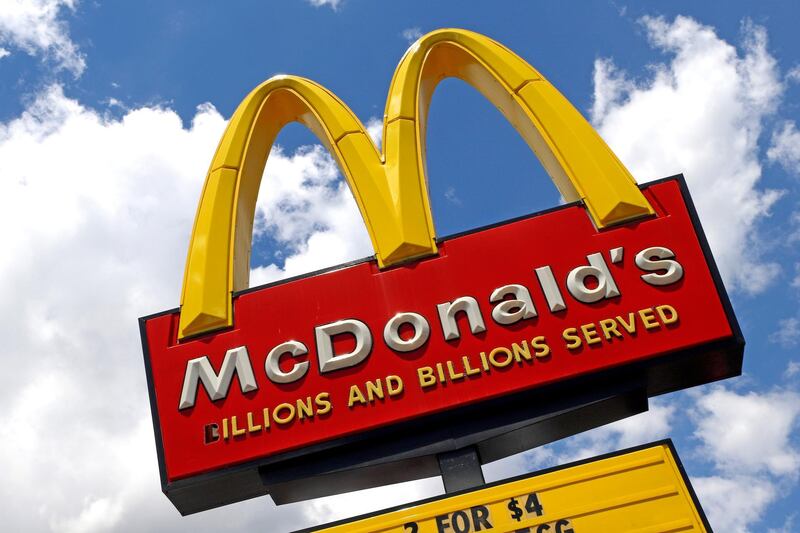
110 113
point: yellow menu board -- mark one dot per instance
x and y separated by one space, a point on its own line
643 490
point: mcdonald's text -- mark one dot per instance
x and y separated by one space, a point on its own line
409 331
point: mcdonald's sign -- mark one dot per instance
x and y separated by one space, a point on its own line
503 337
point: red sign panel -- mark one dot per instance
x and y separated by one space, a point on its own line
530 303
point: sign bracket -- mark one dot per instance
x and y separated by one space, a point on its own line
461 469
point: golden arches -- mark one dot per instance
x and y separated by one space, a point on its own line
390 188
576 157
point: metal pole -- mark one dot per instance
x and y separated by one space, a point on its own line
461 469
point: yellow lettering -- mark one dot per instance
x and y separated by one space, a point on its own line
374 390
468 369
523 351
323 403
673 314
394 385
355 396
252 428
509 358
630 325
304 408
440 370
225 428
454 376
426 377
649 319
235 431
609 326
289 408
540 347
266 418
484 362
573 340
590 333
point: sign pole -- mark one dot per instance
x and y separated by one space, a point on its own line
461 469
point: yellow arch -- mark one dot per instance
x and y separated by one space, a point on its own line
390 188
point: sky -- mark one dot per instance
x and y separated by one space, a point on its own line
110 113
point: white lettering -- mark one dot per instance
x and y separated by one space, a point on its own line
513 310
272 364
447 316
674 270
328 361
200 371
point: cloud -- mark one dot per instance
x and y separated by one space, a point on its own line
748 434
411 34
700 113
375 130
366 501
4 52
785 147
793 235
93 212
451 196
307 208
309 211
733 504
748 439
36 27
787 527
334 4
788 332
95 215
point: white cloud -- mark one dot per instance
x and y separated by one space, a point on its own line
749 439
749 434
785 147
4 52
700 113
366 501
95 215
93 212
308 209
375 130
794 74
792 369
411 34
36 27
794 231
787 527
451 196
334 4
788 332
734 504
